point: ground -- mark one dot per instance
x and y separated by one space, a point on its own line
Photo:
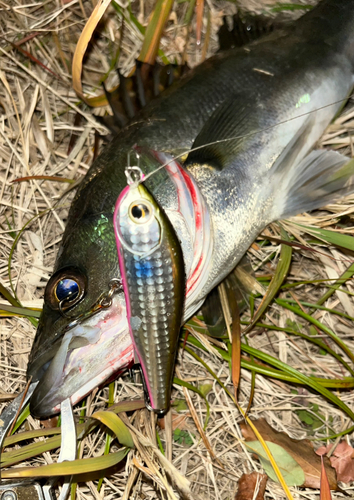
38 118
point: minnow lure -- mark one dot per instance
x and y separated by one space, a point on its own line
153 277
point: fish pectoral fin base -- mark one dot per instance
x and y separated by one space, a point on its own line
222 137
319 179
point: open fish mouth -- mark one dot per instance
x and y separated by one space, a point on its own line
99 345
76 370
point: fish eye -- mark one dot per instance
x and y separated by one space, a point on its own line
140 212
65 289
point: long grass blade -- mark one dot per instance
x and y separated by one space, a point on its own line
236 343
332 237
319 325
262 369
154 31
191 387
80 466
82 44
53 178
33 450
108 442
270 456
19 311
347 275
113 422
313 339
8 296
197 423
276 282
310 382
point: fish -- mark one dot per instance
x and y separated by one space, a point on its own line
225 151
152 272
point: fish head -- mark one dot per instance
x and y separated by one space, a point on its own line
83 317
83 334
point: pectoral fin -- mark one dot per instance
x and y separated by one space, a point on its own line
320 178
223 137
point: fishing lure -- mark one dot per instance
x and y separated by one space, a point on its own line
153 277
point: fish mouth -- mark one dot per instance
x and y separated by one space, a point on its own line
89 354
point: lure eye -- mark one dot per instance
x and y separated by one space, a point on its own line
140 212
65 289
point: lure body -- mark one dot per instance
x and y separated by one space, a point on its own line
152 272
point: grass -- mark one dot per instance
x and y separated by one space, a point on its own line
297 353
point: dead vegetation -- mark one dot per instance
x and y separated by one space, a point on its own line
38 118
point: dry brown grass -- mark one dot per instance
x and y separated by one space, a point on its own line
37 115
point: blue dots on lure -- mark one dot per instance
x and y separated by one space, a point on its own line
153 277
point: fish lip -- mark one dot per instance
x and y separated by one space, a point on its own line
82 370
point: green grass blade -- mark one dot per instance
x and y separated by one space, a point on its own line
116 425
32 450
207 367
310 382
345 383
319 325
313 339
80 466
281 7
26 435
332 237
320 307
277 280
13 247
8 296
191 387
109 439
348 274
154 31
21 418
19 311
131 20
190 12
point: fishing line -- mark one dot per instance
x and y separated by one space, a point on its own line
250 134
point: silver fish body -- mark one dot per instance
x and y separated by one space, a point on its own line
153 277
254 114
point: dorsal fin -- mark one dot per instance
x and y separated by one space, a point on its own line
134 92
246 29
149 81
